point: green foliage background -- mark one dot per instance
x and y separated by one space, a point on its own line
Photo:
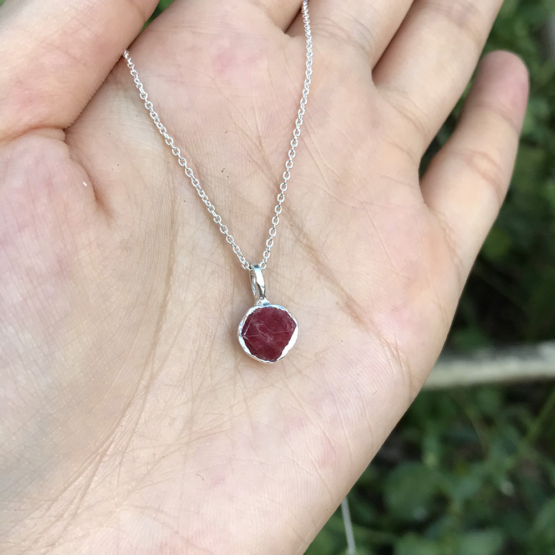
472 472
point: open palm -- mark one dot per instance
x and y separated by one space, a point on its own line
132 420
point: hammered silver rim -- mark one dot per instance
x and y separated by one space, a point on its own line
288 347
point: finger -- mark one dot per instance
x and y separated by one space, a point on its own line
281 12
363 25
468 179
236 12
429 63
56 54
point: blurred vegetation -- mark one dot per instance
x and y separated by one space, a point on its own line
472 472
469 472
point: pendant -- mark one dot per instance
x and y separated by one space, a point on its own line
268 331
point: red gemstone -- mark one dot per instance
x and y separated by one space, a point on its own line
267 331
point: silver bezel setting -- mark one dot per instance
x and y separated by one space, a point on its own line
288 347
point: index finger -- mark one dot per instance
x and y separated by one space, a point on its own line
56 54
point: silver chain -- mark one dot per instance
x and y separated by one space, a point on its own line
288 164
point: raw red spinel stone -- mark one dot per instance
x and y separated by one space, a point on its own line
267 331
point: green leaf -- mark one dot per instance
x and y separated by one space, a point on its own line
323 544
482 542
530 166
497 245
549 193
409 491
469 339
415 545
488 400
544 526
164 4
465 487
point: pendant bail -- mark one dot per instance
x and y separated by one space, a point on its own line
257 284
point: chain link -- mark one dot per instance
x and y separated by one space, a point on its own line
288 164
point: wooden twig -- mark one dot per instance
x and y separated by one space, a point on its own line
514 364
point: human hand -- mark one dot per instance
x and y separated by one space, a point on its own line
132 421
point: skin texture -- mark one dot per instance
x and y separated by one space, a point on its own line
132 423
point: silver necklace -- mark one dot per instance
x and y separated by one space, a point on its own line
281 317
268 331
